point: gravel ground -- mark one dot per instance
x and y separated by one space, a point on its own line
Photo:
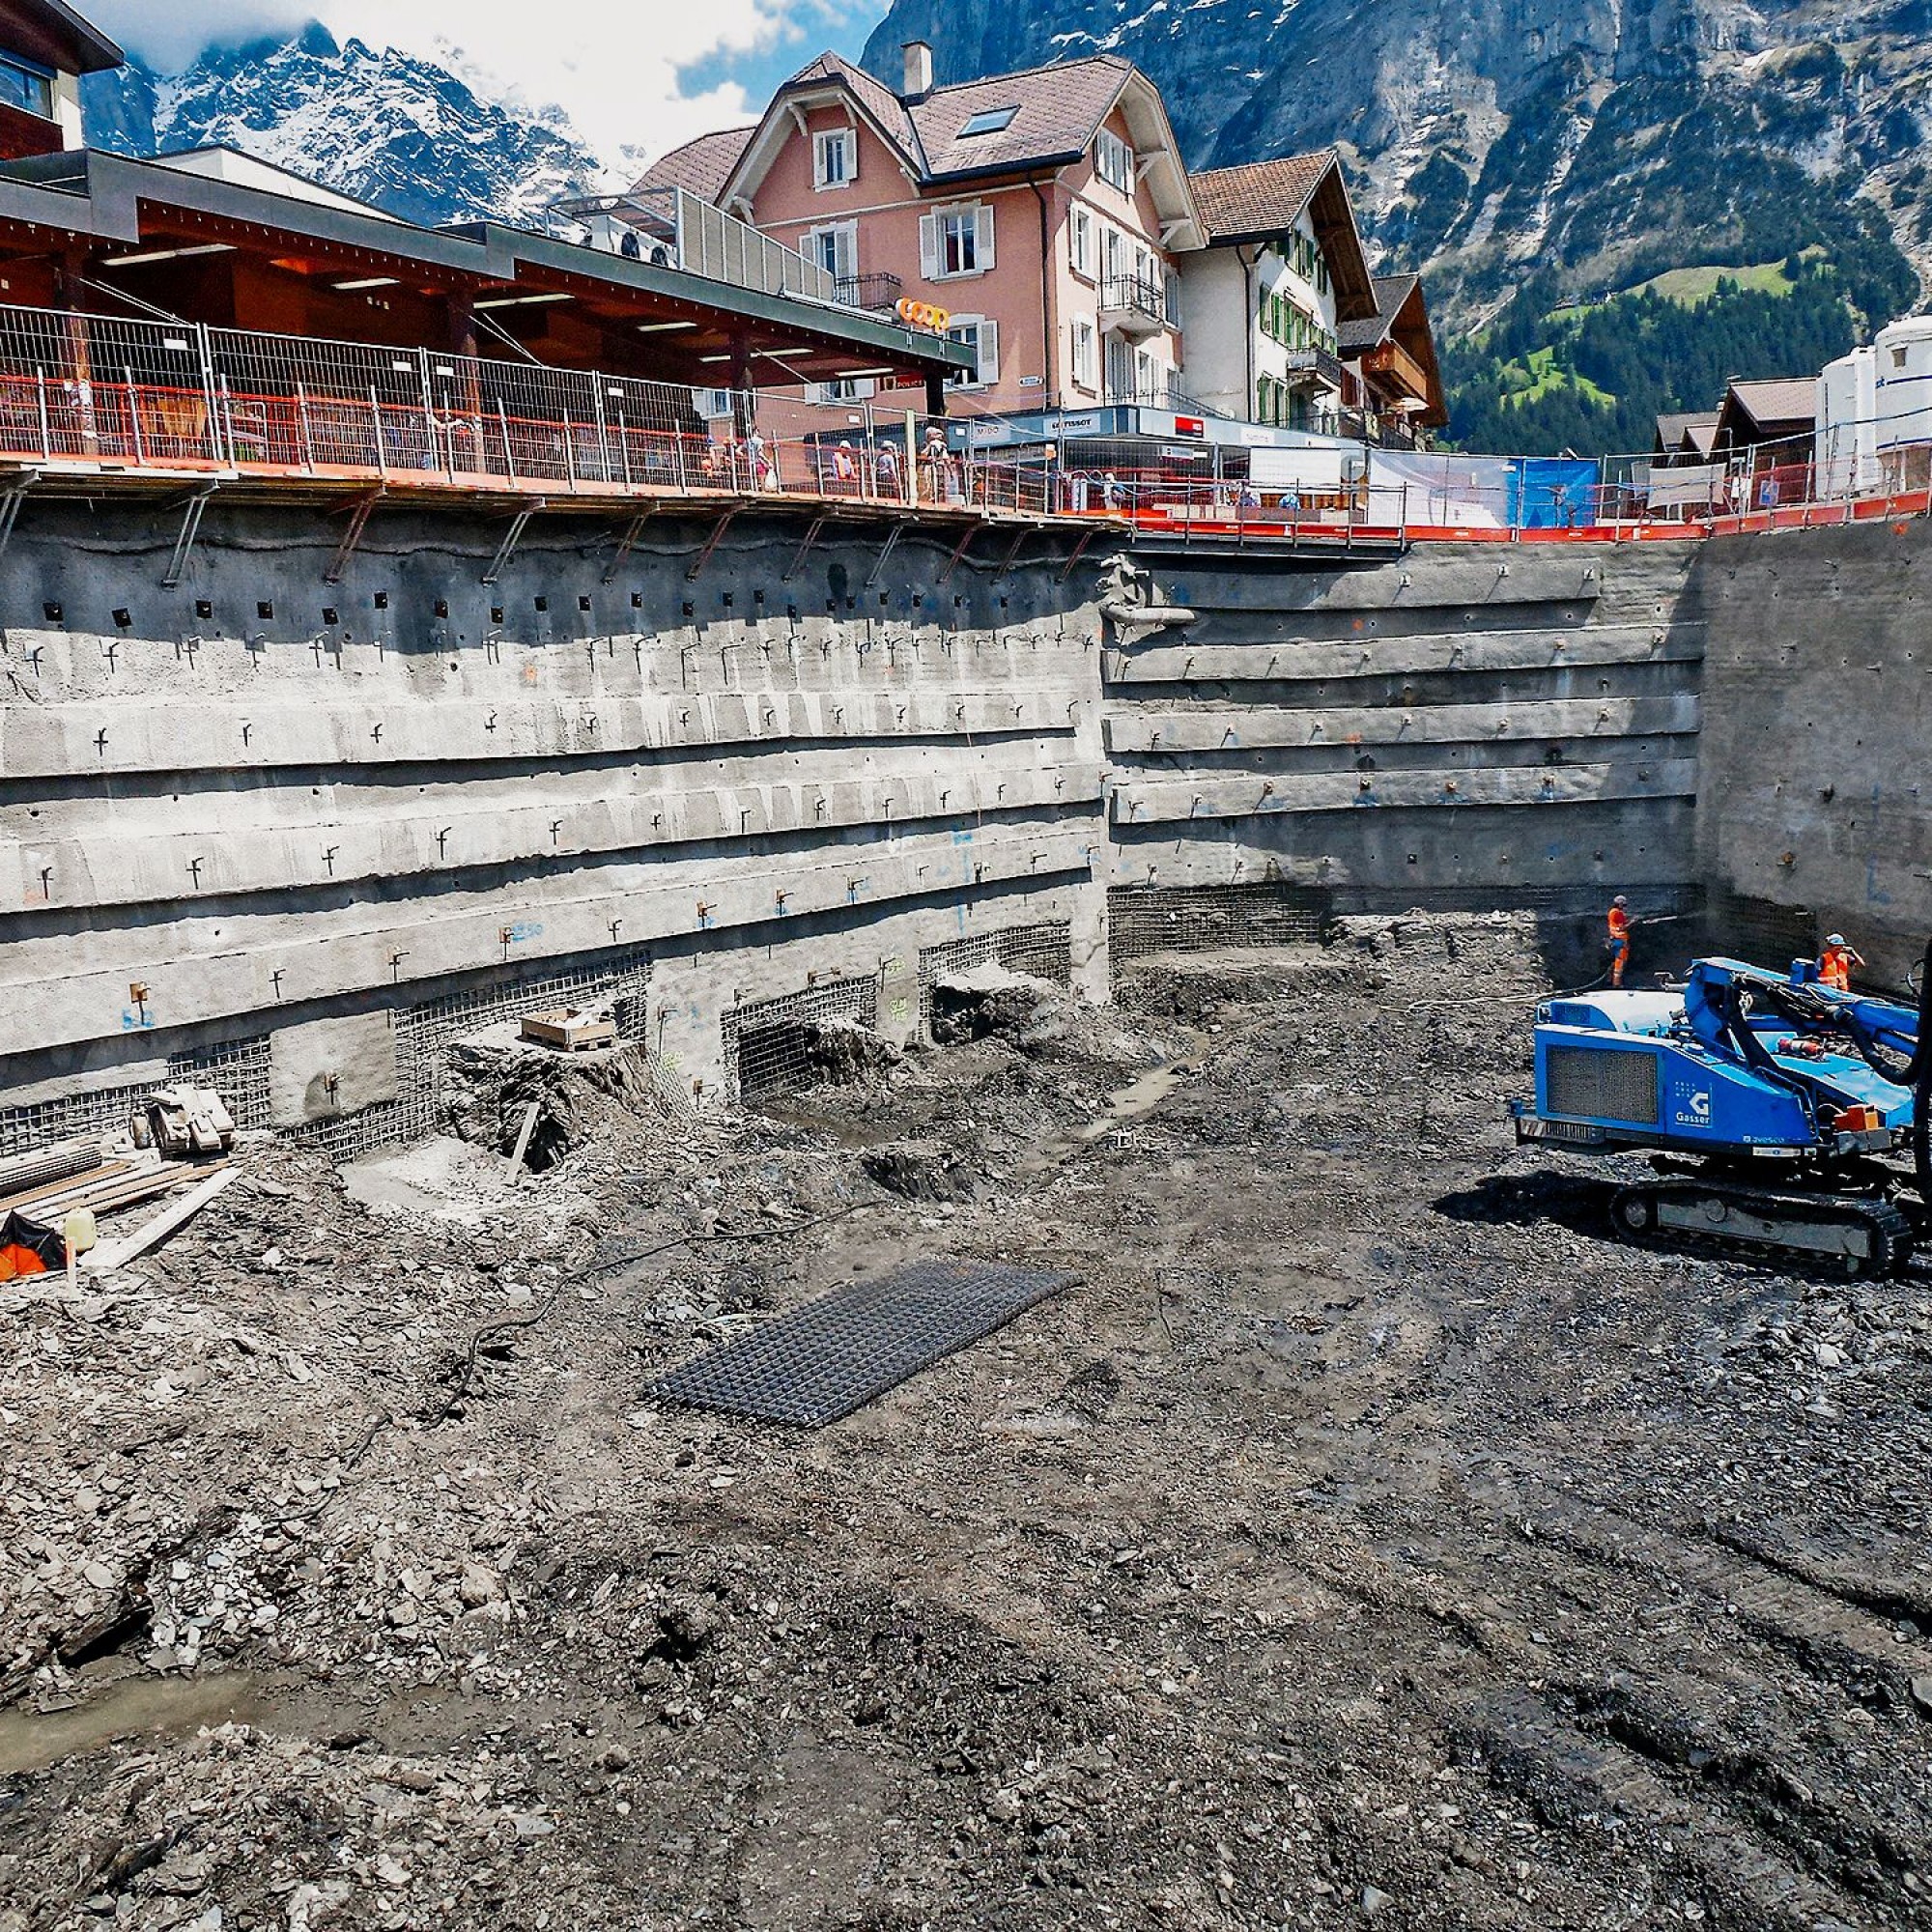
1365 1539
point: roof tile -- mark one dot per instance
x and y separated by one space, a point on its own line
700 168
1259 197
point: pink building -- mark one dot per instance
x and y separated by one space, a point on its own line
1046 211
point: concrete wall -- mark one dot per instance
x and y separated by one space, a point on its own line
321 828
273 802
1817 789
1483 724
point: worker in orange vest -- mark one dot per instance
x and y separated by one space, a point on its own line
1620 938
1836 963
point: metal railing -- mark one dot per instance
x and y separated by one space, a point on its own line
104 393
117 393
1324 367
1134 296
873 293
682 231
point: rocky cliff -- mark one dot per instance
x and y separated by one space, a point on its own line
1602 139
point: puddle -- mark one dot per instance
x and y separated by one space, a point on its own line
136 1705
132 1707
1127 1104
845 1132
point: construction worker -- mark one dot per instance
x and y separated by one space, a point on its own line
1620 938
1836 963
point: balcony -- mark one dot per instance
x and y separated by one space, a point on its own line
879 293
1132 305
1400 372
676 229
1314 366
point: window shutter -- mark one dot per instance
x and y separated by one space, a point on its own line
851 154
845 251
989 351
983 217
928 246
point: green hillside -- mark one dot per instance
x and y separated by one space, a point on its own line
1592 378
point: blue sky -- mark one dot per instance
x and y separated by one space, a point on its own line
635 76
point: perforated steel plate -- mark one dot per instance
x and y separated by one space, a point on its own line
848 1348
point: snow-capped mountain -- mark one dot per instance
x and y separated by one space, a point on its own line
401 133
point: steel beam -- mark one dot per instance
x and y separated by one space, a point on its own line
892 544
10 505
512 537
629 541
804 549
959 551
711 543
358 521
190 528
1079 550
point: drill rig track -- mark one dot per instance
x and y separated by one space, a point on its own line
1845 1234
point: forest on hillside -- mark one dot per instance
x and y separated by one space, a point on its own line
1592 377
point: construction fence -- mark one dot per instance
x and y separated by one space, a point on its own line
120 392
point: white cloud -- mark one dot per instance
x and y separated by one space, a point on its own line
612 66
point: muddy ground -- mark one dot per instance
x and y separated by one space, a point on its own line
1365 1539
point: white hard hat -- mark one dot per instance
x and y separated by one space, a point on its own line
1834 939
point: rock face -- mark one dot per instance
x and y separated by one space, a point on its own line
1605 139
403 133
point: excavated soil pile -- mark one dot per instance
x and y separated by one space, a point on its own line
1366 1540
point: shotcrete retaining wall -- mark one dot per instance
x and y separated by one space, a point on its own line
1482 725
295 835
298 832
1817 793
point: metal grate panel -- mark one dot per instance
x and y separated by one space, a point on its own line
768 1044
238 1069
424 1033
1146 919
1586 1083
838 1354
1044 952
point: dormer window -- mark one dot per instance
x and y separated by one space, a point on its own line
990 121
834 158
1114 162
25 86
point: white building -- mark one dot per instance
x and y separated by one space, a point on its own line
1875 414
1264 299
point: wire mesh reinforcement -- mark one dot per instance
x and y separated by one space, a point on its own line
425 1031
836 1355
774 1047
1145 919
1043 951
237 1069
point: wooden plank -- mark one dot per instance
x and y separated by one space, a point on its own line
53 1189
530 1128
111 1255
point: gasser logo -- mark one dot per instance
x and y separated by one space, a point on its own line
1693 1110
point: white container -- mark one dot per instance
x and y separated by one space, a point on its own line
1902 356
1848 429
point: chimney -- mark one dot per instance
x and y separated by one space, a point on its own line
917 70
